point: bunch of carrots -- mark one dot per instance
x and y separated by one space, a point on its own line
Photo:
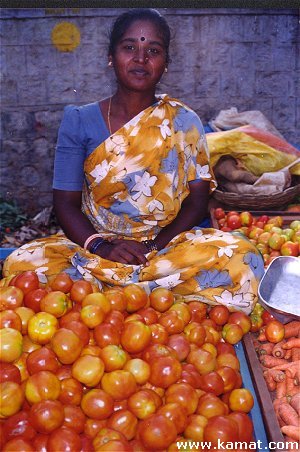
280 360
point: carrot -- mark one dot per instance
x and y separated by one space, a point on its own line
295 402
291 329
288 414
266 349
272 361
289 385
281 389
288 354
291 343
277 375
287 366
278 349
292 431
295 354
270 382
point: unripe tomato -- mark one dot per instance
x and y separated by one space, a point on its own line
43 385
10 297
11 398
41 327
241 400
88 370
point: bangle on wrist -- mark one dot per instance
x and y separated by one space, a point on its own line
150 245
89 239
95 245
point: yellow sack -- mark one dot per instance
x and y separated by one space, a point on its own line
258 150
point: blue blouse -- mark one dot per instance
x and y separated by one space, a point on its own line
82 129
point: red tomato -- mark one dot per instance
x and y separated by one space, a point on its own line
165 371
25 314
19 425
210 405
97 299
180 344
143 403
40 442
198 311
232 333
161 299
135 336
274 331
229 377
149 315
241 400
11 297
136 297
62 282
93 426
88 370
106 334
220 428
157 432
184 394
74 418
10 319
11 342
232 212
123 421
225 347
245 425
42 385
55 303
172 322
41 327
241 319
139 368
97 404
80 289
66 345
182 310
11 398
92 315
26 281
116 319
266 317
109 436
80 329
46 416
117 299
195 333
177 415
204 361
120 384
9 372
65 439
212 382
195 427
42 359
113 357
219 213
18 444
159 334
234 221
33 298
228 359
190 375
219 314
71 391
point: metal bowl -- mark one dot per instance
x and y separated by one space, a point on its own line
279 288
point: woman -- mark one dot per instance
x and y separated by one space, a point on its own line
131 184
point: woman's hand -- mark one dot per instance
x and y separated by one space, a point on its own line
124 251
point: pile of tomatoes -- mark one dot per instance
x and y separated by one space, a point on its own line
270 235
119 370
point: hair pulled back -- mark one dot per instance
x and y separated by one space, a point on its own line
125 20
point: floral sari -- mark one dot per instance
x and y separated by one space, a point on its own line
135 183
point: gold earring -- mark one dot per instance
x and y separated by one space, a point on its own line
110 63
166 69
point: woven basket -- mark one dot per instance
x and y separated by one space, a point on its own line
257 202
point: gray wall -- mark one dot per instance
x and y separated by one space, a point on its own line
220 58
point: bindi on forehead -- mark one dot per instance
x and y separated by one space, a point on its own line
143 38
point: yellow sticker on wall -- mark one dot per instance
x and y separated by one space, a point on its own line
65 37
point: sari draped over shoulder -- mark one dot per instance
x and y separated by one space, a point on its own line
135 183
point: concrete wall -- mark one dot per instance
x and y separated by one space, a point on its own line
220 58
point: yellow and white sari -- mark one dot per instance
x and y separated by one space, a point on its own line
135 183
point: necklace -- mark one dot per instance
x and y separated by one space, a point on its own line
108 116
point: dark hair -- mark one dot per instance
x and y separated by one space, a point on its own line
124 21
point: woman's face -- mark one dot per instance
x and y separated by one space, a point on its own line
140 57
